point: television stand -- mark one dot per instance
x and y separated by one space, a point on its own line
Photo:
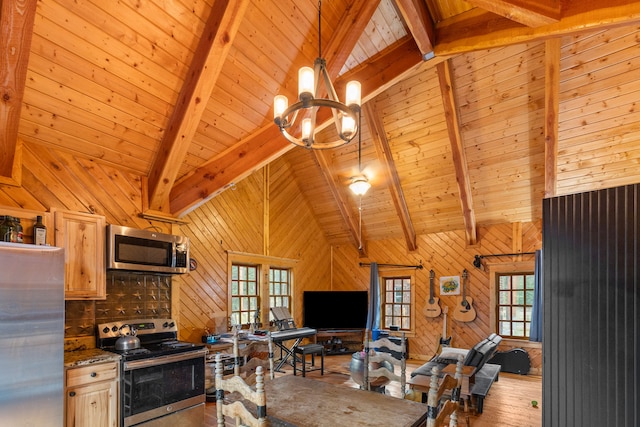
340 341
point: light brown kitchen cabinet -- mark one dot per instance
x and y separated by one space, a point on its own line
91 395
83 237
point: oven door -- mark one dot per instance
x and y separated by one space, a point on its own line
159 386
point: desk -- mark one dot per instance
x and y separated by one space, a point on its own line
310 403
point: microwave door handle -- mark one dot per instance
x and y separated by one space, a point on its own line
174 254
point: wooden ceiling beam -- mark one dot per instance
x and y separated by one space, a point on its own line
234 164
418 19
16 30
445 77
267 144
383 149
479 29
209 57
532 13
551 115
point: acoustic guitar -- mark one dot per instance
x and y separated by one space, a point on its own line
464 311
432 308
444 340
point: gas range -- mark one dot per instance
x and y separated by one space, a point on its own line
161 380
158 337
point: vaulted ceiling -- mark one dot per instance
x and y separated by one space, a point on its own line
460 115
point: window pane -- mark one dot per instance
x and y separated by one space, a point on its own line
504 297
518 313
518 297
517 282
518 329
505 328
503 313
504 282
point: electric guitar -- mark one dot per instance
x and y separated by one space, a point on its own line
432 309
464 311
444 342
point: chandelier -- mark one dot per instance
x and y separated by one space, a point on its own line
309 102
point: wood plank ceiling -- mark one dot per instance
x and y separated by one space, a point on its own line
461 100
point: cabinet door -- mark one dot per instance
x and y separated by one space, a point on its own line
83 237
93 405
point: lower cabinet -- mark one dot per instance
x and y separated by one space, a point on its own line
91 395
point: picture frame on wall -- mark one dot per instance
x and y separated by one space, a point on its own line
450 285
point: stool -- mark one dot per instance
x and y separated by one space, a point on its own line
311 349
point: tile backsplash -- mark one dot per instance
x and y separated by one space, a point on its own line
129 296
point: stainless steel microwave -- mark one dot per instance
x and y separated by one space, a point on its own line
144 250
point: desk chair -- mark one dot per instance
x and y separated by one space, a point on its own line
237 409
374 368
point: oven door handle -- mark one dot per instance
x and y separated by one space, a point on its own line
163 360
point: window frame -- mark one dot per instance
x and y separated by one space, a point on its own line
264 264
494 271
384 274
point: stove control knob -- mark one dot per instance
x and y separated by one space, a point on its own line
106 330
114 328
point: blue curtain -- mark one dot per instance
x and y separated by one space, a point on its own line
535 334
373 316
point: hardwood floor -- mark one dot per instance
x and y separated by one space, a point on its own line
508 403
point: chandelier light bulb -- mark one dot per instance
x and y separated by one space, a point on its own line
280 103
348 126
353 94
306 83
306 130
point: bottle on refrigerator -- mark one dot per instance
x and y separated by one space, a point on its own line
39 232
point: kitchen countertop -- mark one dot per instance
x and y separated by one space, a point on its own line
77 358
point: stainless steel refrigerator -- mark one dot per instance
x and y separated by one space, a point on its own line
31 335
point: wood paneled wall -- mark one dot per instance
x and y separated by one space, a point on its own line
278 223
447 254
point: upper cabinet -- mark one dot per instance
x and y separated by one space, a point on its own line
83 237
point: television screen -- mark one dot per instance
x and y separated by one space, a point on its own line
335 309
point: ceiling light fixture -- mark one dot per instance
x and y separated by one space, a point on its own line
344 115
359 183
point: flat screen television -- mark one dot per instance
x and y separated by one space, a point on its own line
335 309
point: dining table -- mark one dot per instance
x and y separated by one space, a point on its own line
305 402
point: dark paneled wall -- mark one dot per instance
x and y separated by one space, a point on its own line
592 308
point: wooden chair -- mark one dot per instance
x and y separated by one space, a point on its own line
438 411
247 369
237 409
373 359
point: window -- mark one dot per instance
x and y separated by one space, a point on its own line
512 286
515 298
244 293
257 283
396 302
279 288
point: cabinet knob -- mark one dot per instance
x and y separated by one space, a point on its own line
72 393
93 374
